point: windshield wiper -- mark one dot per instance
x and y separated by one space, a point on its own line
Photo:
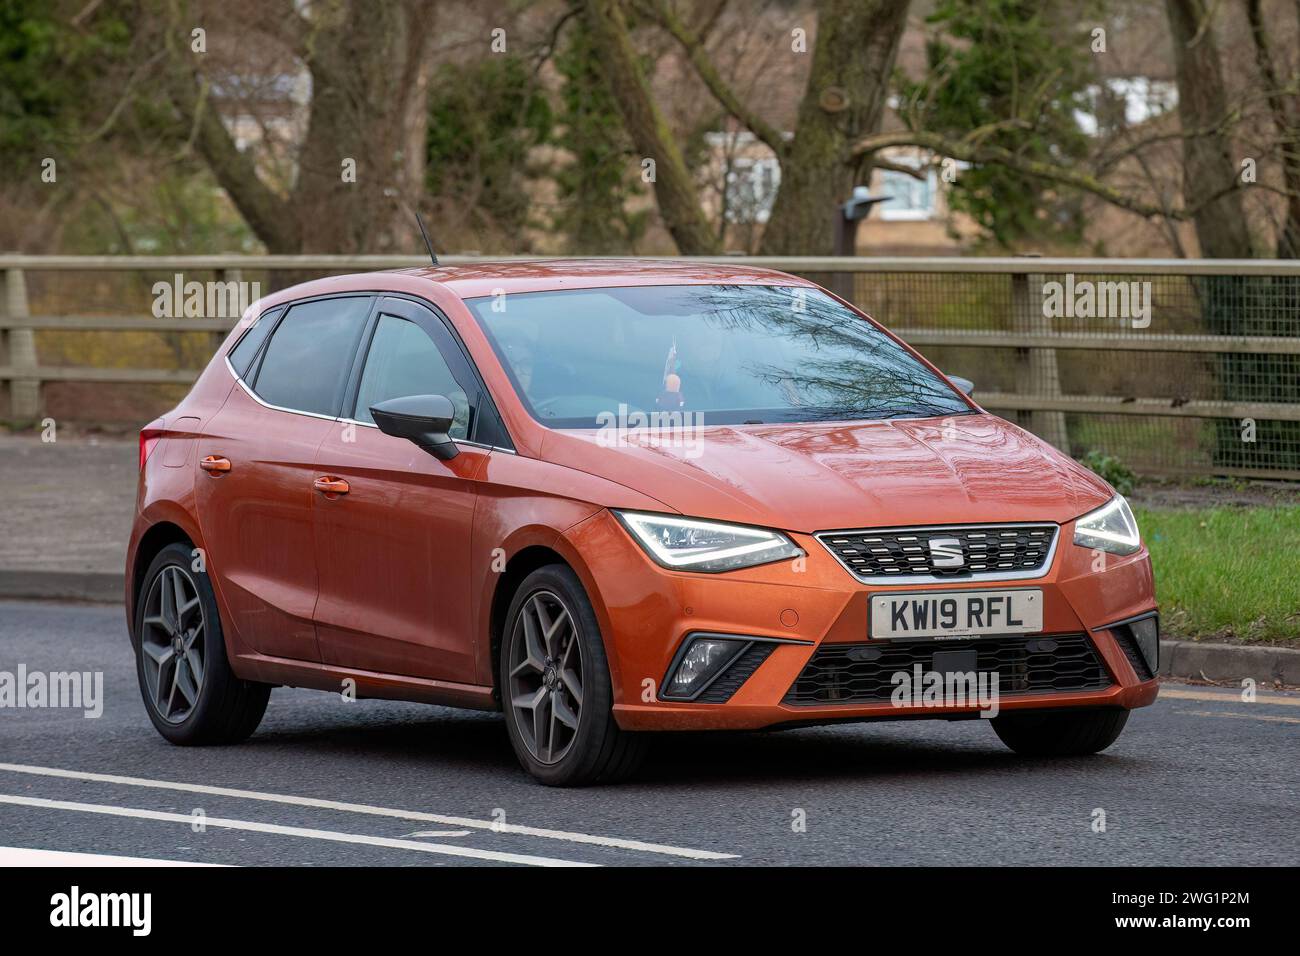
924 411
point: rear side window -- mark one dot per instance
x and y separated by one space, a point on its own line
403 361
308 358
242 354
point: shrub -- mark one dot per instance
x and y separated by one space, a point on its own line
1112 469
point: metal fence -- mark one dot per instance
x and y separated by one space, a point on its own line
1174 366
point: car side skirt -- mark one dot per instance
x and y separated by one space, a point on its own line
368 684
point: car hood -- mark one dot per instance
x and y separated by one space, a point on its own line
817 477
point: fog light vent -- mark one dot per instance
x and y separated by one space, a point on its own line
703 661
1140 642
1146 633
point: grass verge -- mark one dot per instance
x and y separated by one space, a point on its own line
1227 574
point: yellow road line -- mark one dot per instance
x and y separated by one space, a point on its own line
1233 696
1228 713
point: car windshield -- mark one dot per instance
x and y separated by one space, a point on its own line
729 354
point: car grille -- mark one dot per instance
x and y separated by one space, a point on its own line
986 551
861 673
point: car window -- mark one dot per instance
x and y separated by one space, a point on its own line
725 354
403 360
244 351
308 358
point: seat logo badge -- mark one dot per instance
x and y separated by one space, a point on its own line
946 553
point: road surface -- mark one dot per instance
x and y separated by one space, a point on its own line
1200 778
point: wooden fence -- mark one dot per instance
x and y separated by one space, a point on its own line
1035 343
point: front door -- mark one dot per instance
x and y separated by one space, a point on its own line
393 523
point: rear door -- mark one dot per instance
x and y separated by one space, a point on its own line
394 548
253 484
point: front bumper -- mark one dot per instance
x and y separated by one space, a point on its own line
646 612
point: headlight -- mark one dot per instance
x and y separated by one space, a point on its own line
689 544
1111 527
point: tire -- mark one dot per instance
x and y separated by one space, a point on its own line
1059 733
224 709
546 745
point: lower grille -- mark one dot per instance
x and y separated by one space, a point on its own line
862 673
720 691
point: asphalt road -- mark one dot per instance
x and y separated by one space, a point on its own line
1200 778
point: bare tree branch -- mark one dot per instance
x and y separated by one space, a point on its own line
996 155
547 49
1170 225
916 172
127 97
708 73
267 213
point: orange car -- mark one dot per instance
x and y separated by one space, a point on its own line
609 497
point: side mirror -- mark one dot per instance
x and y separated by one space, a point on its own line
423 419
965 384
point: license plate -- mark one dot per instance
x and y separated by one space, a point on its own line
956 614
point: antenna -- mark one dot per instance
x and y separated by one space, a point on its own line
427 244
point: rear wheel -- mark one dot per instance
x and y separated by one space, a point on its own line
555 686
1059 733
189 690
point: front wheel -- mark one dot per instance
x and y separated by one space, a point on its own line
1059 733
189 690
555 686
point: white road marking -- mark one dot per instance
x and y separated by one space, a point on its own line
311 834
24 856
497 827
437 833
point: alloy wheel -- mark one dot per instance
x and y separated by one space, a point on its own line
171 643
546 676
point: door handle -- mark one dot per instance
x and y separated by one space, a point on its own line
330 486
215 465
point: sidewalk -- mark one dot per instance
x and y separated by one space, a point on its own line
66 515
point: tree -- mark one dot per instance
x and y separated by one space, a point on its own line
843 99
1232 305
485 118
674 184
1017 71
1209 171
46 70
1212 198
360 167
1284 107
595 187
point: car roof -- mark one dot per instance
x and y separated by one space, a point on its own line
469 280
